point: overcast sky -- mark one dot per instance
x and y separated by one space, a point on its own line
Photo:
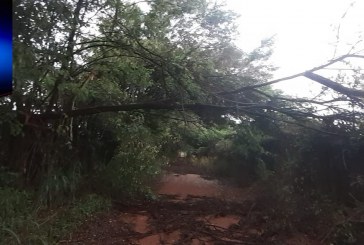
305 33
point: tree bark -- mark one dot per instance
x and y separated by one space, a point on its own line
334 86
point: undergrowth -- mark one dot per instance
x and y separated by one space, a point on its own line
290 207
24 222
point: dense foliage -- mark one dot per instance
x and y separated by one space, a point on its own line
106 92
87 57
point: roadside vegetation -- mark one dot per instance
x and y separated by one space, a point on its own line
107 93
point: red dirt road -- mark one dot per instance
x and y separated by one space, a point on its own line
190 210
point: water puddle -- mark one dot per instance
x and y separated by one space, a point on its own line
201 241
184 185
223 221
150 240
161 238
138 222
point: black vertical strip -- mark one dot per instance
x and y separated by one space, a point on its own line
5 47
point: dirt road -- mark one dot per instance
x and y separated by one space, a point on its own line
191 209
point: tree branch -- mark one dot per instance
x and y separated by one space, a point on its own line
197 107
335 86
239 90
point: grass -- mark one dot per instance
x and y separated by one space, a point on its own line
22 222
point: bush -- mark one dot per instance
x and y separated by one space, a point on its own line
8 178
290 208
15 210
74 215
22 222
243 153
333 165
136 162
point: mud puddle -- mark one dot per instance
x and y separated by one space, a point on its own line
191 210
137 222
183 186
224 222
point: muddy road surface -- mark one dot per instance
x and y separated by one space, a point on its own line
191 209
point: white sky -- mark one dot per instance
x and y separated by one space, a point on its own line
305 33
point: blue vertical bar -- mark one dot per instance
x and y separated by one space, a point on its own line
5 47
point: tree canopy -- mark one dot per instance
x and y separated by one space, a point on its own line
107 92
76 58
76 61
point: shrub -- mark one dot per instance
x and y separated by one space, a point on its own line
137 160
22 222
15 210
289 207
